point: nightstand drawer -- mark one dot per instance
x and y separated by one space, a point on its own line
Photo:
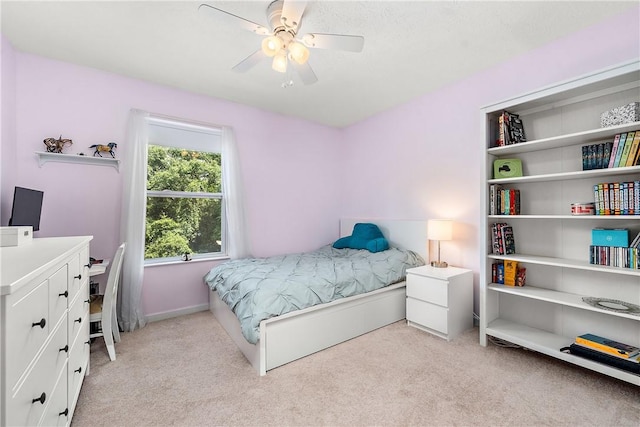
427 289
427 315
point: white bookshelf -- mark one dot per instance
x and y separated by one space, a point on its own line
549 312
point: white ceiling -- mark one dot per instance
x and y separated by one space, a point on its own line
411 48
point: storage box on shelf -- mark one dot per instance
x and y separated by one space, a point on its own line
552 244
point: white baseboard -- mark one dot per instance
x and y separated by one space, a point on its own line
175 313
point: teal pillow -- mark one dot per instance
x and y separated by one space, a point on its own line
364 236
378 245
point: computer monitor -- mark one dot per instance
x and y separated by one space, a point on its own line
27 207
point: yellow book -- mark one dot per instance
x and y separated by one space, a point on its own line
605 345
510 272
633 155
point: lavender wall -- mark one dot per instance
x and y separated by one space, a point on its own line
91 106
423 158
7 127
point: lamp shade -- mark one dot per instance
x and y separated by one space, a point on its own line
280 63
298 52
272 45
439 229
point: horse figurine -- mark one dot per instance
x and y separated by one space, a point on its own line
56 145
101 148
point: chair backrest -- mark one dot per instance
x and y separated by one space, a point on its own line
111 291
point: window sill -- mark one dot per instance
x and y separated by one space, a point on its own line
181 262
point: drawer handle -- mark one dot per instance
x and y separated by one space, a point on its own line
87 301
65 412
88 342
88 265
79 370
64 294
65 349
41 323
79 320
79 276
40 399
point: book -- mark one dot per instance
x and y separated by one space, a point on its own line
592 354
508 240
627 149
606 345
521 276
606 154
633 151
636 159
510 272
621 144
614 150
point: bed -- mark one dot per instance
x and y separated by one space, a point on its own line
296 334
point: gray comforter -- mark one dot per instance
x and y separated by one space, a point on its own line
260 288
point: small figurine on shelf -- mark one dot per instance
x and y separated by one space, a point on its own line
56 145
102 148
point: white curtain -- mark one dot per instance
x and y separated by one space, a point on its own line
134 202
238 233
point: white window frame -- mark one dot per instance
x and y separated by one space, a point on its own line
196 137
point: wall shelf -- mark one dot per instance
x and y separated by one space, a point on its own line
44 157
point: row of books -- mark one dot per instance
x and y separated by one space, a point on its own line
509 273
623 151
502 239
617 198
615 256
607 351
605 345
503 201
510 129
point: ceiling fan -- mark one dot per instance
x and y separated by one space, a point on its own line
283 43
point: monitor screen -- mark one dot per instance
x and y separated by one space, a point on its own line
27 206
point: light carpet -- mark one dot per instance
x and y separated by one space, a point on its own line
186 371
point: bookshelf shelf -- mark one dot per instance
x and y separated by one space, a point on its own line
550 344
568 217
577 138
44 157
566 263
551 244
556 297
562 176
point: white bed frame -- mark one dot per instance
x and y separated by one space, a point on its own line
297 334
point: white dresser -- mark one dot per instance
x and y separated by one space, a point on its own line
440 300
44 330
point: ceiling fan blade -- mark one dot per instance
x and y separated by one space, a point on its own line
292 11
249 62
305 72
334 41
232 19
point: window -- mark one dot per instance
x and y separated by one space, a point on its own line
185 198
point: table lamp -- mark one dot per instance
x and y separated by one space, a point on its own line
439 229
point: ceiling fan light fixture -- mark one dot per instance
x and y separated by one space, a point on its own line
272 45
298 52
280 63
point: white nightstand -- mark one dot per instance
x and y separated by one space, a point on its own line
440 300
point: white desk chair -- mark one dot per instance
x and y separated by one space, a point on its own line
103 307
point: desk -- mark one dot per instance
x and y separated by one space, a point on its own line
97 269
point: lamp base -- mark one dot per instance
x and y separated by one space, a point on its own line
439 264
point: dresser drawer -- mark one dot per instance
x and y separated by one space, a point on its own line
25 308
78 364
57 411
58 295
78 314
427 289
40 382
428 315
77 276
